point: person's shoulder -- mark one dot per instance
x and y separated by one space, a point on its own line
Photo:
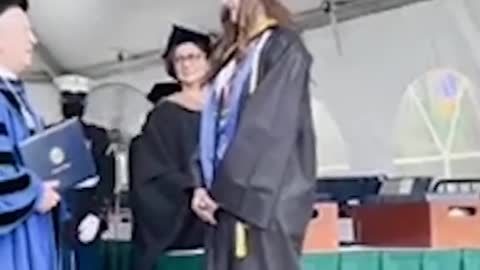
5 105
285 34
286 40
95 130
165 108
286 37
135 142
8 114
162 112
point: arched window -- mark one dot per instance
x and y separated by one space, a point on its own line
438 127
331 151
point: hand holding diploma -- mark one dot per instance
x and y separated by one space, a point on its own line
50 196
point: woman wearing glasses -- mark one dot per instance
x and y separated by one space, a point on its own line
161 157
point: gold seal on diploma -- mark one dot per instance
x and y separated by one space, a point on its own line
57 156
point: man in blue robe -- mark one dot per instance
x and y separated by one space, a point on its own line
26 231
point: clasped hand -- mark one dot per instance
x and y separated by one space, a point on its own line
204 206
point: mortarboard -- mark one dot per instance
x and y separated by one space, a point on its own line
180 35
161 90
5 4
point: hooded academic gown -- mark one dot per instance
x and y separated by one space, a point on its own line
26 237
162 183
266 179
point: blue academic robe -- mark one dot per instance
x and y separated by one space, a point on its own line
27 239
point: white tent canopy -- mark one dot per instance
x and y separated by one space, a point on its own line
86 36
360 74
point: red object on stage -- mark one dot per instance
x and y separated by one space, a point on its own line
322 231
439 224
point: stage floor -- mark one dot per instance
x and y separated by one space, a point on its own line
117 257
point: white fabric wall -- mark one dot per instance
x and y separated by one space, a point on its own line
142 79
45 99
382 55
44 96
361 89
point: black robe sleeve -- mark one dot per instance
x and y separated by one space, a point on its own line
105 163
252 174
97 200
160 180
163 136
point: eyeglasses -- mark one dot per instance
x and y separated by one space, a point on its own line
189 57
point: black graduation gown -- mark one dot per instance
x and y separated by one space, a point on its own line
267 176
162 182
96 200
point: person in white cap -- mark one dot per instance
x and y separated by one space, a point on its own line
89 203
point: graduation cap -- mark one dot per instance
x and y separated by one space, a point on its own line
181 35
161 90
5 4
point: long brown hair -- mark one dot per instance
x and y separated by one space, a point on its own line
236 36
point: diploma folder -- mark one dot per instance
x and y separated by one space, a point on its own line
59 153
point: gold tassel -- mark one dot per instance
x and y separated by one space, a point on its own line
241 249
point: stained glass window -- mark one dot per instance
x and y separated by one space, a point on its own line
438 127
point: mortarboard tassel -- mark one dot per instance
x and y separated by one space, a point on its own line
241 249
